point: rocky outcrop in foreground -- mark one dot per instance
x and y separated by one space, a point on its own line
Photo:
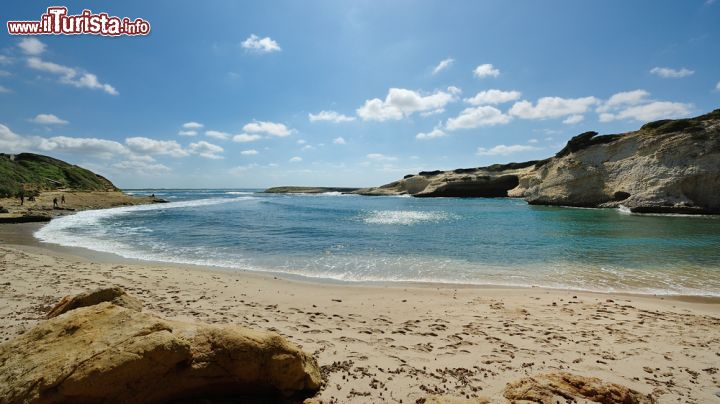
558 387
668 166
108 353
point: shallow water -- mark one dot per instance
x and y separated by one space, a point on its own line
355 238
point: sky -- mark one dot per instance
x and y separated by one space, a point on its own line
252 94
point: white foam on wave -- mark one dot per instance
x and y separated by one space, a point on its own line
239 193
58 231
404 217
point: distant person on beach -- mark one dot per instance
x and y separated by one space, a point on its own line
21 195
55 203
62 199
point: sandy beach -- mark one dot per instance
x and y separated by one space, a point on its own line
399 343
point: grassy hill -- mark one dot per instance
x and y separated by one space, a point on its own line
43 173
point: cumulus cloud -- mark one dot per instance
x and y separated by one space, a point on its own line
260 45
339 140
573 119
493 97
622 99
187 133
217 135
244 138
11 141
503 150
380 157
295 159
102 148
48 119
270 128
475 117
71 76
251 152
144 145
435 133
443 65
330 116
192 125
717 86
650 112
142 165
668 73
637 105
206 150
400 103
31 46
486 70
552 107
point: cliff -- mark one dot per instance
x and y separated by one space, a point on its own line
668 166
42 173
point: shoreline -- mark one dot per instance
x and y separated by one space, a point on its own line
9 234
405 340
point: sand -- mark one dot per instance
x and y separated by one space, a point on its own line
398 343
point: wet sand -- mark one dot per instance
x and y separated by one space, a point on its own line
399 343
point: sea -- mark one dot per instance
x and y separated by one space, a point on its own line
333 237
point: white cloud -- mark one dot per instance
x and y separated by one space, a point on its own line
251 152
486 70
296 159
244 137
87 146
192 125
637 105
400 103
206 150
260 45
475 117
217 134
573 119
552 107
493 97
717 86
503 150
32 46
187 133
339 140
435 133
143 145
650 112
5 60
307 147
380 157
5 90
270 128
533 141
71 76
301 141
443 65
48 119
623 98
11 141
668 73
330 116
143 165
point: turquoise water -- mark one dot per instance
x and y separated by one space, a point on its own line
450 240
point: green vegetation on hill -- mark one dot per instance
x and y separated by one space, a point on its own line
33 172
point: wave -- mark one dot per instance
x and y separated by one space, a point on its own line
403 217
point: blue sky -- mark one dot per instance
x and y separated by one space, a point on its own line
231 94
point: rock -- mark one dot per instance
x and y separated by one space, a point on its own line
111 354
562 386
443 399
115 295
668 166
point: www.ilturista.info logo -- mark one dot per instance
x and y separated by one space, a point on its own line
56 21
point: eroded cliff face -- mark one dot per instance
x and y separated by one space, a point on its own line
669 166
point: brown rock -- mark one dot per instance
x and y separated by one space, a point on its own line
107 353
554 387
115 295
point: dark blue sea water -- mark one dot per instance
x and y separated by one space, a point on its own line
448 240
